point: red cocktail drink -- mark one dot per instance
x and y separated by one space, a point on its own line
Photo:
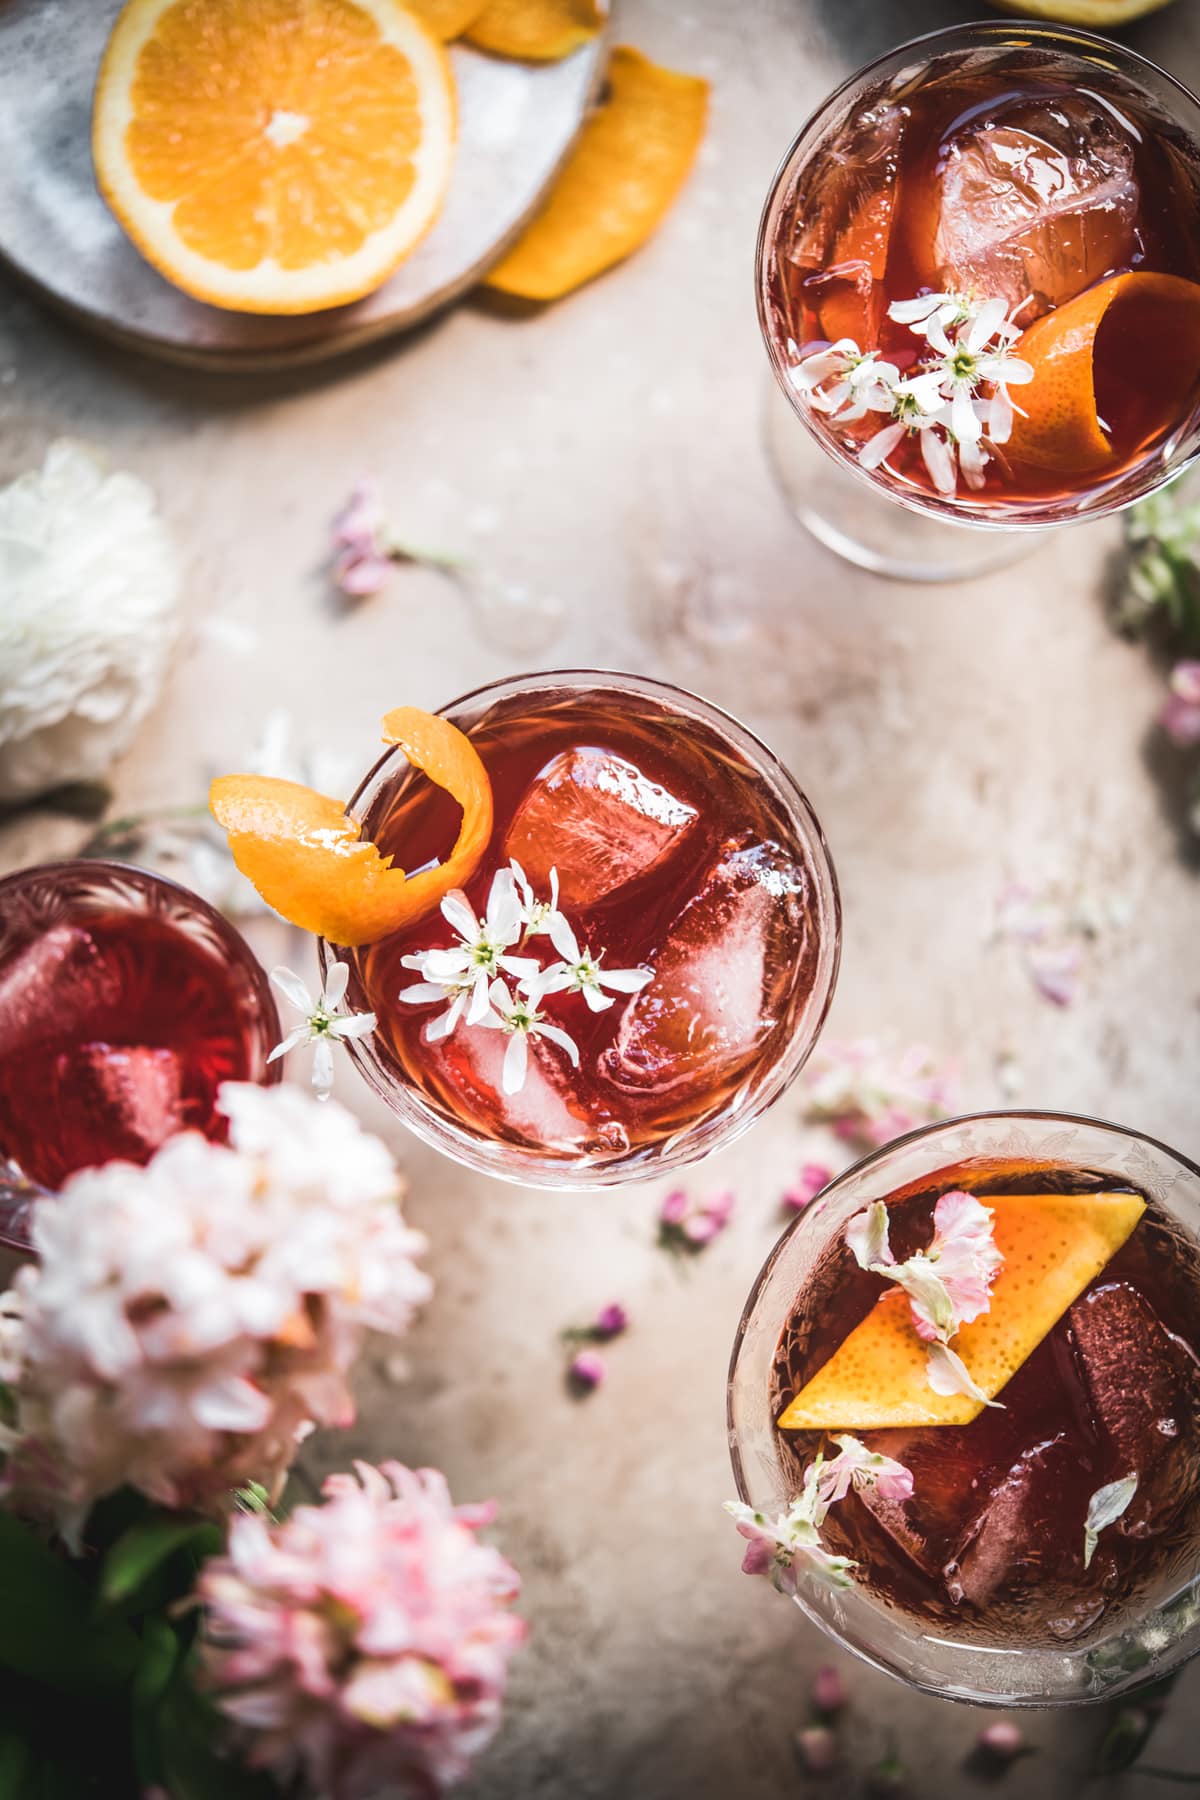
125 1001
989 1329
979 278
692 882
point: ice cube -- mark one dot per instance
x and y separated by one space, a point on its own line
719 977
467 1068
953 1469
118 1100
1144 1386
1038 197
596 819
1023 1564
843 224
52 985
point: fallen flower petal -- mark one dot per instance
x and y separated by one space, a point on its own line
611 1320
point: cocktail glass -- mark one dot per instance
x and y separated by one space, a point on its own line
125 1000
999 1660
884 196
679 842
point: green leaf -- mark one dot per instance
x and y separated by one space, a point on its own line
16 1763
159 1660
46 1626
190 1729
142 1550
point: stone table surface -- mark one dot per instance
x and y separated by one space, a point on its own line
604 459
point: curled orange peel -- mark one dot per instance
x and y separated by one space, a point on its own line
1061 428
447 19
535 30
307 858
628 164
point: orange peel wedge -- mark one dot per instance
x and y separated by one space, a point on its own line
630 161
1053 1246
308 859
536 30
1061 428
447 19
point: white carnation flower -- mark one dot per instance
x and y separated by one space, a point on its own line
89 582
188 1321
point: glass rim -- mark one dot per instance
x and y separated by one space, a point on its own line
874 1656
519 1165
1024 34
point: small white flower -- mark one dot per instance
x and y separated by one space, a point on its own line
862 383
520 1019
536 914
917 407
465 972
933 317
323 1025
582 973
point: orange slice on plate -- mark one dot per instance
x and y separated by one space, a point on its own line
630 161
1053 1245
308 859
536 30
1146 323
447 19
273 156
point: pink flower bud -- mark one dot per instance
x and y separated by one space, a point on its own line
816 1748
587 1371
611 1320
829 1690
808 1184
674 1208
1003 1740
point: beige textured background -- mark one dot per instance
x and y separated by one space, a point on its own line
606 455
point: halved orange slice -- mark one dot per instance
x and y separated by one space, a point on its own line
1151 329
630 161
307 857
1053 1245
536 30
273 156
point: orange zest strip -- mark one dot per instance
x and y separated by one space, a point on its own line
535 30
1159 315
447 19
629 163
1053 1246
306 856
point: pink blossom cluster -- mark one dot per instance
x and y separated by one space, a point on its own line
188 1322
694 1223
363 1645
871 1094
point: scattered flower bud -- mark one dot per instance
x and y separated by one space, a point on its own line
1002 1741
611 1320
816 1749
808 1184
829 1693
587 1371
690 1225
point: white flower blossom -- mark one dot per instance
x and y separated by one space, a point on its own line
464 973
89 585
520 1019
862 383
535 914
323 1025
582 973
187 1322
